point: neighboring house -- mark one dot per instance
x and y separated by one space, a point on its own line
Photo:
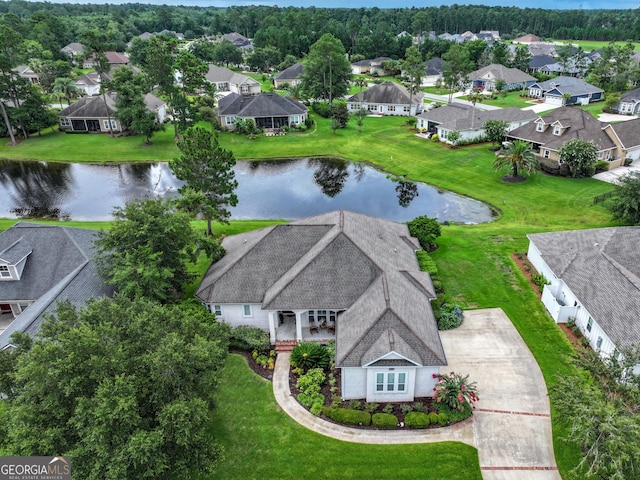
526 39
630 103
115 59
456 37
370 66
433 70
549 132
90 82
290 76
267 110
91 114
594 279
227 80
539 61
27 73
238 40
469 121
387 98
566 91
574 67
542 49
488 76
39 266
494 34
356 275
73 50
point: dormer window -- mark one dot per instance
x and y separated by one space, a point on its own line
556 129
540 127
4 272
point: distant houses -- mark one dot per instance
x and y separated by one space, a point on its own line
488 77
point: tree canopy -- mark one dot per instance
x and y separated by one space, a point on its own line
580 157
327 72
518 156
124 386
625 203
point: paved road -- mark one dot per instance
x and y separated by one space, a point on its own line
511 428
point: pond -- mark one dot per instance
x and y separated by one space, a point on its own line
285 189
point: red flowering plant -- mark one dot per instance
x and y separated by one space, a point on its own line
455 391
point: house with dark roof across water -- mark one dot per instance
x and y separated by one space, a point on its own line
339 276
267 110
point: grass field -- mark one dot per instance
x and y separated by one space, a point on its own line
590 45
511 100
474 262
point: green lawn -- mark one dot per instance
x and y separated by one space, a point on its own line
511 100
474 263
589 45
261 441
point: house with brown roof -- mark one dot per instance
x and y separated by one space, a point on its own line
549 132
594 279
343 276
387 98
487 77
113 58
267 110
526 39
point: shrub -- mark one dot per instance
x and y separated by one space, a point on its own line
450 316
419 407
311 380
384 420
262 360
388 408
416 420
539 280
443 419
347 416
322 108
406 409
433 418
317 406
437 286
371 407
426 230
454 416
245 337
309 399
355 404
455 391
309 355
628 161
602 166
434 137
426 263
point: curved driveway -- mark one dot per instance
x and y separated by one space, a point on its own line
511 427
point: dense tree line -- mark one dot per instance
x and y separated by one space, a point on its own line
365 31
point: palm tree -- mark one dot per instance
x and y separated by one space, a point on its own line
474 96
517 156
64 87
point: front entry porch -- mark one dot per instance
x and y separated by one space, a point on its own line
302 325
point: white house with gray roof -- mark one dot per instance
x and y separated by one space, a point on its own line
356 275
227 80
267 110
566 91
630 103
488 77
468 120
386 98
594 278
39 266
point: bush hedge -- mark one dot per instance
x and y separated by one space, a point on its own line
347 416
426 263
245 337
416 420
384 420
454 416
449 316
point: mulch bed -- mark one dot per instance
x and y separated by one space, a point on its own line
513 179
263 372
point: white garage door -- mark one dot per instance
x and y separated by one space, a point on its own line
553 99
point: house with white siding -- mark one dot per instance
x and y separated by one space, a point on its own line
343 276
387 98
594 279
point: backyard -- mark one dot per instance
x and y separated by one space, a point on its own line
474 262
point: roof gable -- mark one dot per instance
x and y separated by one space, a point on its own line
388 93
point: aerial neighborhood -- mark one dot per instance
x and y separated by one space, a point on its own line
385 226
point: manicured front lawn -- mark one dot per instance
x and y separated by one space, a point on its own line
511 100
261 441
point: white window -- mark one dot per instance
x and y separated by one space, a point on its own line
65 122
223 87
4 271
244 88
556 129
598 343
391 108
246 311
372 108
546 154
217 309
539 127
229 120
589 324
295 119
406 108
444 133
391 382
105 124
114 124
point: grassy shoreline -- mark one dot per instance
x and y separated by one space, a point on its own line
474 260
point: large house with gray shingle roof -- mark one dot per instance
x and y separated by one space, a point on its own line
227 80
267 110
357 276
290 76
630 103
594 279
39 266
387 98
468 120
487 77
566 91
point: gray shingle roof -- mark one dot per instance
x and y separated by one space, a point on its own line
579 124
456 116
95 107
602 268
500 72
434 66
628 132
571 85
538 61
631 95
262 105
388 93
220 74
60 267
292 73
343 261
16 251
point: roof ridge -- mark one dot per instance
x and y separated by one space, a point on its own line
633 279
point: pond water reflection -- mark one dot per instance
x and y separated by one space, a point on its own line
287 189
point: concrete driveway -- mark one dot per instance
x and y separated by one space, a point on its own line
512 423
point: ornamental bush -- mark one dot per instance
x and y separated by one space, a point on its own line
347 416
426 230
245 337
416 420
454 416
455 391
426 263
449 316
309 355
433 418
384 420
